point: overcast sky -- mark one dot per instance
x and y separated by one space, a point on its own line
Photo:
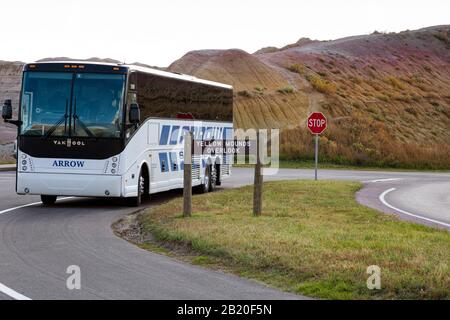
157 32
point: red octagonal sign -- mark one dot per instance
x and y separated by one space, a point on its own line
317 122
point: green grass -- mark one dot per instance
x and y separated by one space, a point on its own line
309 164
313 238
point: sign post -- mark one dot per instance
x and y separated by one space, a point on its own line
258 180
317 123
316 156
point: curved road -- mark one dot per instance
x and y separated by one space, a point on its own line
38 243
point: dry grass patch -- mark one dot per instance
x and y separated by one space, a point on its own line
297 68
322 85
395 82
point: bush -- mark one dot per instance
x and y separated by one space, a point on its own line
411 110
443 36
321 85
297 68
383 97
287 89
244 93
395 82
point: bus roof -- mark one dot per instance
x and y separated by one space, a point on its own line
133 67
180 76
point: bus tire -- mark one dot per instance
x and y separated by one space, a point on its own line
218 177
213 178
48 200
205 186
136 201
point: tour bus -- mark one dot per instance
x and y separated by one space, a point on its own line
116 130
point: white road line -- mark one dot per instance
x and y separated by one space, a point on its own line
383 180
29 205
22 206
383 200
4 289
11 293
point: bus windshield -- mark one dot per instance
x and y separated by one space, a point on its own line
72 104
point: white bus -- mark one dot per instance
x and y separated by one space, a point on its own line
113 130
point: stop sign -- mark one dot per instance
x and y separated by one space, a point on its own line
317 123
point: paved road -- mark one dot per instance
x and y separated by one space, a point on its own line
38 243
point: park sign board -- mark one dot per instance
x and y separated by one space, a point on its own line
317 122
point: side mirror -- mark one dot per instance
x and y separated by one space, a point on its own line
7 110
134 114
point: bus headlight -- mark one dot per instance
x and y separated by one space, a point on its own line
114 165
26 164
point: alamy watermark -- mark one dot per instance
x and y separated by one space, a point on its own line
73 282
374 280
238 146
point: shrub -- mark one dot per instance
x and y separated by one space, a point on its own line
244 93
287 89
321 85
383 97
357 104
403 98
355 80
427 68
259 89
442 36
434 103
411 110
297 68
395 82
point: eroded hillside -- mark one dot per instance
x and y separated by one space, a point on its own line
387 95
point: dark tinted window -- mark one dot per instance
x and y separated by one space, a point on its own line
166 97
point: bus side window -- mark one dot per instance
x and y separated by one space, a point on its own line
130 128
131 98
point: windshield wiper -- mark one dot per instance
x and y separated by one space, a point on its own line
76 118
57 124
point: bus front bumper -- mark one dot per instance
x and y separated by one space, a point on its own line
83 185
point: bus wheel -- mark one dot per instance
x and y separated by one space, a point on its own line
213 179
48 200
218 178
136 201
205 186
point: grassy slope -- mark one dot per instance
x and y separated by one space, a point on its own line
313 238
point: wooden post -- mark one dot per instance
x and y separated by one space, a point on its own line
187 179
257 189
